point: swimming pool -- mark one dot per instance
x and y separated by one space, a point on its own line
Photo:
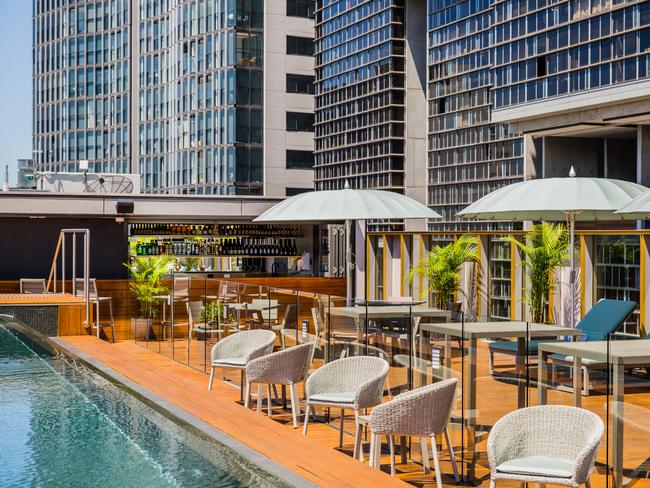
63 425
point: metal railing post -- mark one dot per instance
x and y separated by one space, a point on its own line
63 264
74 264
87 278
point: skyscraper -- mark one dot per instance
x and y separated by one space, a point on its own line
199 96
403 102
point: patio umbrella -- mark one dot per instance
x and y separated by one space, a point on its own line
557 199
638 208
346 206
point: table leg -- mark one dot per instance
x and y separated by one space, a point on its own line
471 407
618 390
519 372
577 381
542 380
402 449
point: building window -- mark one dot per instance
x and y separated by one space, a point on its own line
300 122
300 46
301 8
290 192
300 159
300 84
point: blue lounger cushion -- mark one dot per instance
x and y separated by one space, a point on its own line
603 319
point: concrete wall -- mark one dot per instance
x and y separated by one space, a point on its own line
415 165
28 244
585 154
277 102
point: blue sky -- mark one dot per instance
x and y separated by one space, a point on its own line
15 83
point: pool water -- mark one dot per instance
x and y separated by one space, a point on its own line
65 426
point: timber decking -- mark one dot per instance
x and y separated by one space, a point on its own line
187 388
40 299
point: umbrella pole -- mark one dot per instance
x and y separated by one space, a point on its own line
349 267
572 274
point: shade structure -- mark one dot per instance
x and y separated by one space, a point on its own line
638 208
551 199
557 199
346 205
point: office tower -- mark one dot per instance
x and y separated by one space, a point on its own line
198 97
362 133
81 102
403 102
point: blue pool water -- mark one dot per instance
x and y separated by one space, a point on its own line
62 425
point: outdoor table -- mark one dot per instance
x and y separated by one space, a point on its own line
622 354
376 312
250 307
473 331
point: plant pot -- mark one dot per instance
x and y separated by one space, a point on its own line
142 329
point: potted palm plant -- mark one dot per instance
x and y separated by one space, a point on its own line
146 284
441 269
546 248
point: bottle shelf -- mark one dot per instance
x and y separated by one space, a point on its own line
217 256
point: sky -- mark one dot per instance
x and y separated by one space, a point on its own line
15 84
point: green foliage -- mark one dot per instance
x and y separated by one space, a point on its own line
213 312
441 268
192 264
147 275
546 248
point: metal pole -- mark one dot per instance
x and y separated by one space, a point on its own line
63 265
74 264
572 276
87 278
349 267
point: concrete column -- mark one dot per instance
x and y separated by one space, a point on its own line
483 279
587 276
643 155
415 163
360 254
532 157
517 306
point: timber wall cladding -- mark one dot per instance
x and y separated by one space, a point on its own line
126 307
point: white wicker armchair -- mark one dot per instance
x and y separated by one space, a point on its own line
423 412
235 351
348 383
545 444
285 367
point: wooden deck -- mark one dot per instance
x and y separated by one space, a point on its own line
318 457
39 299
187 388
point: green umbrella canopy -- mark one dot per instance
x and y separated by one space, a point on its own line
551 199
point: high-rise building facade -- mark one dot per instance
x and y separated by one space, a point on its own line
209 97
403 102
81 85
469 156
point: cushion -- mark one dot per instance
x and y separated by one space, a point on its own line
539 466
336 397
604 317
230 362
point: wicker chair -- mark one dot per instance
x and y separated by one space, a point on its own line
347 383
423 412
235 352
552 444
285 367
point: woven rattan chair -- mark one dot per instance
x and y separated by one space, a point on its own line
423 412
285 367
552 444
349 383
235 352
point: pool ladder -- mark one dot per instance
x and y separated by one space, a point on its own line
60 255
